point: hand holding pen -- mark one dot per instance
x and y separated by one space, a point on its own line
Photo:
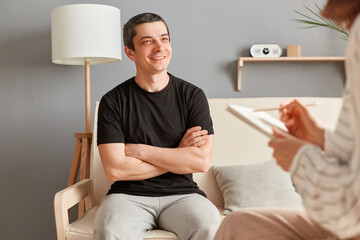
301 123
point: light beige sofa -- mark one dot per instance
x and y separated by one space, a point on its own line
236 143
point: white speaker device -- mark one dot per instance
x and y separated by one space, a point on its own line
265 50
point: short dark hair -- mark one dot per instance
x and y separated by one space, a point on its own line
129 28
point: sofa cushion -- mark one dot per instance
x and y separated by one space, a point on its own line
83 228
256 185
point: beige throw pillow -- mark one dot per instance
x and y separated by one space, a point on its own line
263 185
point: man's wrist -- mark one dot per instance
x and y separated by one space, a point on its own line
140 151
135 150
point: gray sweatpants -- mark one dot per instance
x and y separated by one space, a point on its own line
127 217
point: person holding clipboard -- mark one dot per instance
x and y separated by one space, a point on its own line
324 164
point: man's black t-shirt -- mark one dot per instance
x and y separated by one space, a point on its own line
129 114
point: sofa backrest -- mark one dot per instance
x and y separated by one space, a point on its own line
236 143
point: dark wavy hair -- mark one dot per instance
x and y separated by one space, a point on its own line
343 12
129 28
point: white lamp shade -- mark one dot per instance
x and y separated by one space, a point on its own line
90 32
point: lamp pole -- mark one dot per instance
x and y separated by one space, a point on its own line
87 96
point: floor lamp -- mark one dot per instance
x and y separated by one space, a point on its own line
84 34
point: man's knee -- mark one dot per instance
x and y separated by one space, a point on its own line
206 227
209 228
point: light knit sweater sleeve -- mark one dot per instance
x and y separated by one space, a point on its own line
327 143
329 181
329 189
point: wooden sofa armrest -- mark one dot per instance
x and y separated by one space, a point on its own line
67 198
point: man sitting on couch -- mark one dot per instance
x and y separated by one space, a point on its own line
154 131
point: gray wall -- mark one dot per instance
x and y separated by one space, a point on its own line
42 104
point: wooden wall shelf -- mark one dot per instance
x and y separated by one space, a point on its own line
242 60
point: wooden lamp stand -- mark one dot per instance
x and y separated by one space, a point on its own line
81 157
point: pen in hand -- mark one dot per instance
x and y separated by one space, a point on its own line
279 108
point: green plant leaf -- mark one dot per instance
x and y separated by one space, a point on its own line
316 20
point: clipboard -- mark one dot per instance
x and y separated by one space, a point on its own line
261 121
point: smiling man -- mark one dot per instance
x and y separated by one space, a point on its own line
154 131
